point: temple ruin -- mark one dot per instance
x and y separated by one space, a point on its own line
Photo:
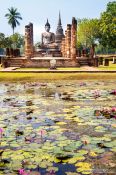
62 48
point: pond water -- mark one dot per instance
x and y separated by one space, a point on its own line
57 128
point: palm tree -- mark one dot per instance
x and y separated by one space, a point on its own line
13 17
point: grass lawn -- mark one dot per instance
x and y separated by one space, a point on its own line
61 68
5 76
110 67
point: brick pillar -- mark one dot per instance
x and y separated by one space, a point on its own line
106 62
31 39
65 52
73 38
100 61
96 62
68 40
29 51
63 47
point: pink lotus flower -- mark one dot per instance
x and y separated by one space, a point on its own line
113 109
52 172
42 132
25 173
21 171
113 92
1 131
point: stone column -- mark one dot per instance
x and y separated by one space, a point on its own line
114 60
27 42
106 62
31 39
92 51
65 53
100 61
63 47
29 52
96 62
73 38
68 40
7 52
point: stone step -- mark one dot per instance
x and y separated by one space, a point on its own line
15 65
83 62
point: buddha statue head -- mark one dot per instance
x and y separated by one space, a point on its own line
47 26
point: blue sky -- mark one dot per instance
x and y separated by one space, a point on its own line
37 11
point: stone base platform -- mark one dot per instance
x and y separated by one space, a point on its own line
40 62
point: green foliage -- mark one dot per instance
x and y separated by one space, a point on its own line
5 41
87 31
37 45
17 39
2 39
101 31
107 26
13 16
100 49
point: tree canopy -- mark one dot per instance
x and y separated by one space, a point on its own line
87 31
107 26
98 31
16 39
5 41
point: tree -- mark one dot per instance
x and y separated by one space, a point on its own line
18 40
2 40
107 26
13 16
8 42
87 31
5 41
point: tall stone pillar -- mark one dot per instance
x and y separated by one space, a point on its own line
63 47
29 51
31 39
92 51
65 53
73 38
68 40
27 42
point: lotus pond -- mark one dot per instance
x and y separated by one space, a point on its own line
58 128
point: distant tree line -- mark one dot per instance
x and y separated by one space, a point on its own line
14 41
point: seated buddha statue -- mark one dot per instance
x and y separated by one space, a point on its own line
48 38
